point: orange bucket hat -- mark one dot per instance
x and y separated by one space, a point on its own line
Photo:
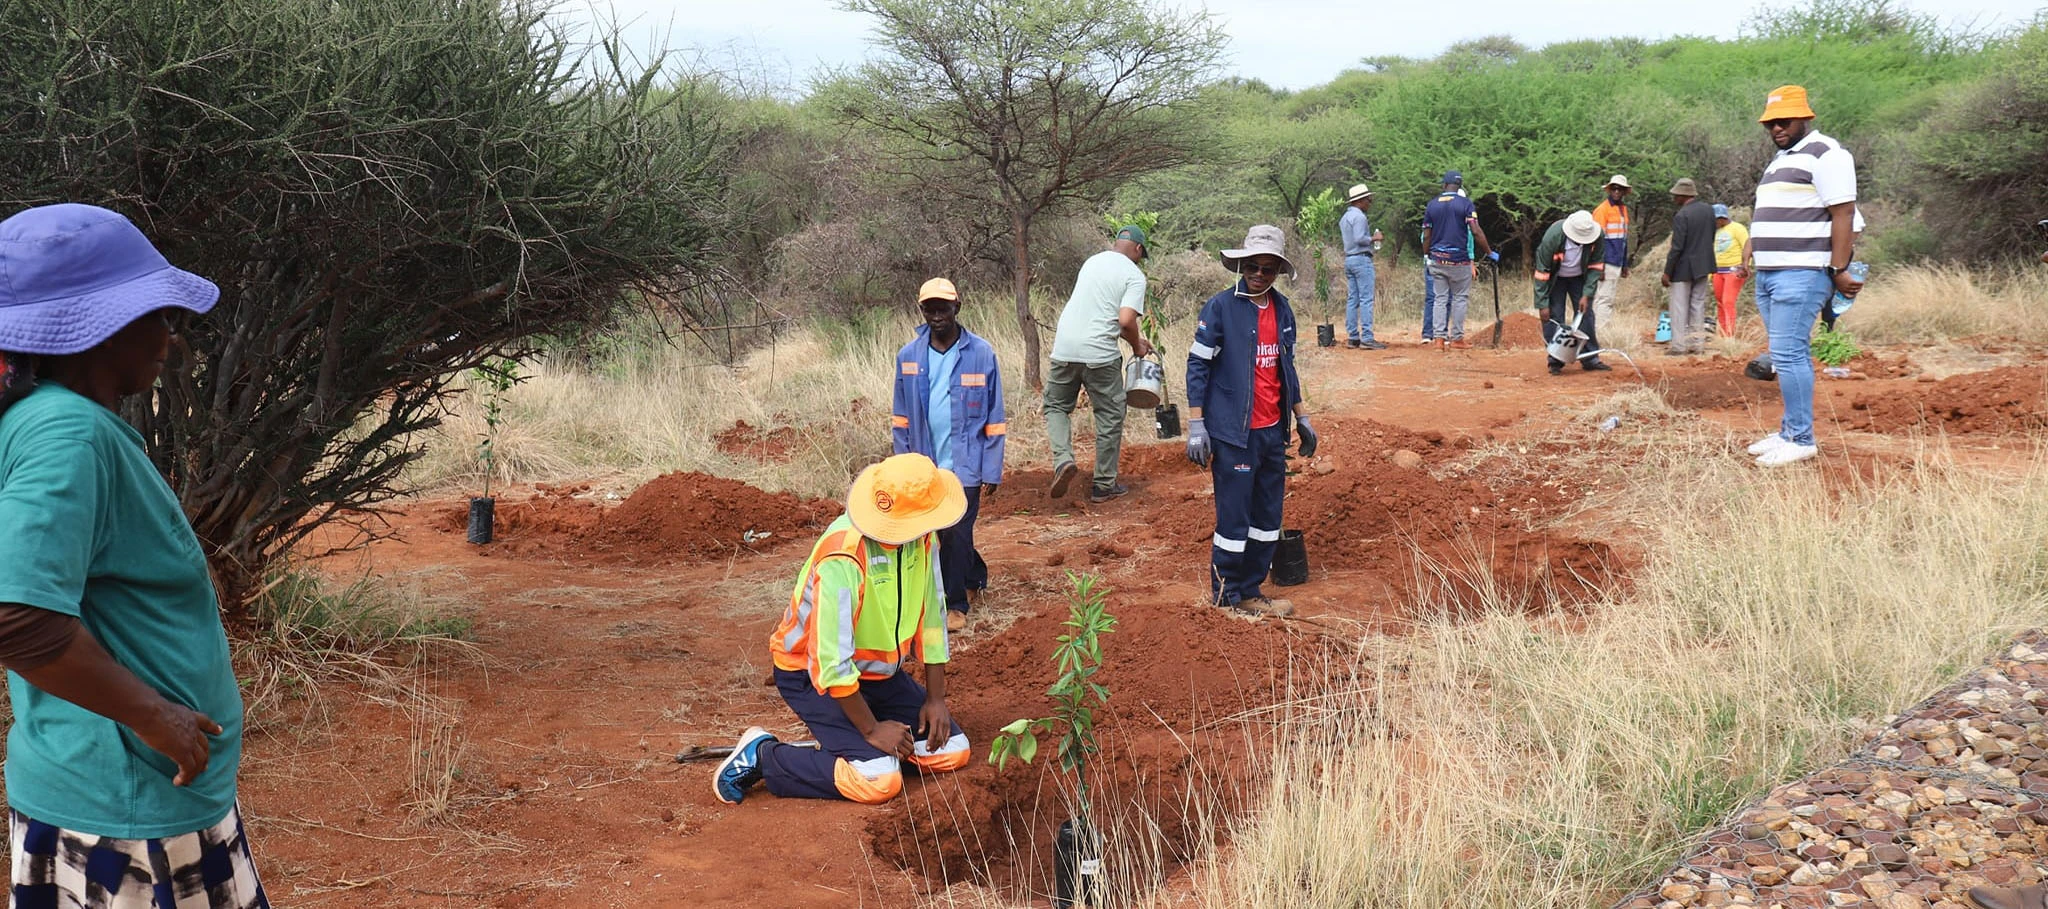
903 498
1786 102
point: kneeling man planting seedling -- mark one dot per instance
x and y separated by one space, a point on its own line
869 597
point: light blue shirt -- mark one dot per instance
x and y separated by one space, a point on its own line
938 372
1357 232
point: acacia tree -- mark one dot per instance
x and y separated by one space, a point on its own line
1025 107
388 192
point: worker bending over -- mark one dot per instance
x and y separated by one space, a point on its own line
868 598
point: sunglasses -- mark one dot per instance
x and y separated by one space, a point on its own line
1780 123
1253 268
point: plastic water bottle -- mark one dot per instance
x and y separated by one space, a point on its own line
1861 272
1608 424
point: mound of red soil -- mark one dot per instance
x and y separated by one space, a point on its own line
742 439
684 514
2004 400
1715 390
1518 330
553 511
1188 686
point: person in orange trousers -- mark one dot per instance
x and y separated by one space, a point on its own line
1731 267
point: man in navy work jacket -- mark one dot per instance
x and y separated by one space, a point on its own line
949 407
1242 388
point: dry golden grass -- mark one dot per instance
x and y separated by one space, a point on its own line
1513 761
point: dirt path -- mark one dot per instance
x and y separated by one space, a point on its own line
537 773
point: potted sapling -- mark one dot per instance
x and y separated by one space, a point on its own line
1834 349
1076 697
1318 217
495 377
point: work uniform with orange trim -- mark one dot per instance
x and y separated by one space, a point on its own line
949 407
860 609
1613 220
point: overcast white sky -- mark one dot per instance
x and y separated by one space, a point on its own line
1287 43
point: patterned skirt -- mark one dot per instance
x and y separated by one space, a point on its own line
56 868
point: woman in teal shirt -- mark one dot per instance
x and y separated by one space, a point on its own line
127 721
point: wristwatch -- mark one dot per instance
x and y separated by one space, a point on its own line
1830 271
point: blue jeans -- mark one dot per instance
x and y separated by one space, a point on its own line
1789 299
1358 298
1429 331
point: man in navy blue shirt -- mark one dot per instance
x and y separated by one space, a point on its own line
1450 227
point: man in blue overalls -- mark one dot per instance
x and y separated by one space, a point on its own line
949 408
1242 388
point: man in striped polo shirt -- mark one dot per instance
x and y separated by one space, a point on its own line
1802 235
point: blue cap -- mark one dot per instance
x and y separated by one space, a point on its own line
1720 211
1451 176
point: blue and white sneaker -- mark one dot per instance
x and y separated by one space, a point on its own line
742 768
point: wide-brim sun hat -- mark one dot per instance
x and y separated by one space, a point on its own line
903 498
1786 102
72 275
1357 192
1579 227
1620 181
1261 240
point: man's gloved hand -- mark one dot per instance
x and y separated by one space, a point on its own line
988 490
1493 255
1198 442
1307 447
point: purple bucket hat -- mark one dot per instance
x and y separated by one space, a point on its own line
72 275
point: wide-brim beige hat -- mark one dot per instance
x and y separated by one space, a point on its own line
1579 227
903 498
1620 181
1357 192
1261 240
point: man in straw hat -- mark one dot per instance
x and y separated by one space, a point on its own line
1360 242
949 407
127 717
868 598
1688 269
1570 265
1613 216
1242 390
1802 234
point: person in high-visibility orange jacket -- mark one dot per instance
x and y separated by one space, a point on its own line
870 597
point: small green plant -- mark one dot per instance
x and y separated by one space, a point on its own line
496 377
1317 221
1075 694
1834 348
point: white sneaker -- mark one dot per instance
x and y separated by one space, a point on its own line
1787 453
1766 444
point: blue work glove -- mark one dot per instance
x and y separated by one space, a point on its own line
1307 448
1198 442
1493 255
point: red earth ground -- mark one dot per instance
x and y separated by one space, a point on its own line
534 768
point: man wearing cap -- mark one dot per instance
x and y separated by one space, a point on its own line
1242 390
1570 263
1108 298
1612 215
949 407
1803 234
866 600
1360 242
1731 266
1450 227
1687 267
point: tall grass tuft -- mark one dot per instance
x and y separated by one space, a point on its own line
1514 761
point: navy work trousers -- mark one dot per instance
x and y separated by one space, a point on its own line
807 773
960 564
1251 483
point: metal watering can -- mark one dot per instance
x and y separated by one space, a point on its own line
1144 382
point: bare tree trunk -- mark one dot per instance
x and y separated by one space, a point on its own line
1020 280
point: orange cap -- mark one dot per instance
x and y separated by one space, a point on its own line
1787 102
903 498
938 289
